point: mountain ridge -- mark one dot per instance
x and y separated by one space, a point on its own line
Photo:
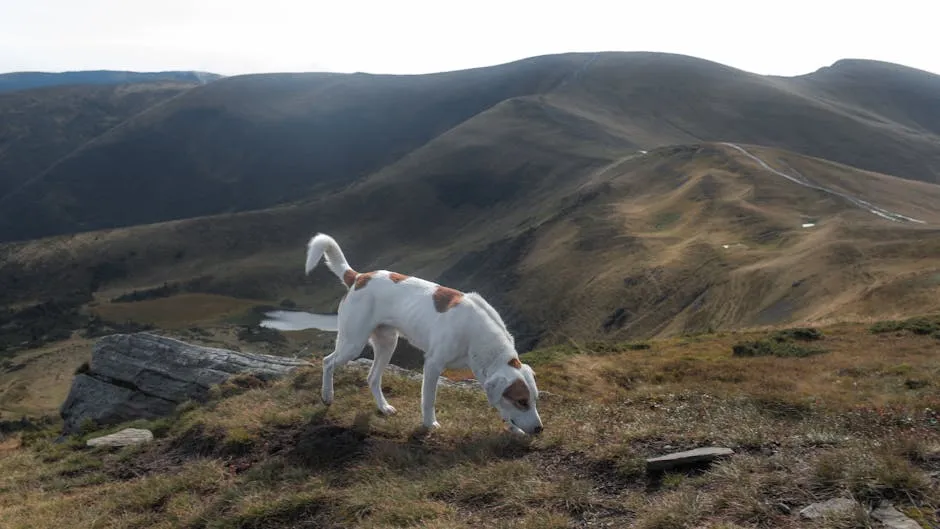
255 141
28 80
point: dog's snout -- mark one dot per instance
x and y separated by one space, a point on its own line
538 429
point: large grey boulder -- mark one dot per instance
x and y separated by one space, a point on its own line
145 376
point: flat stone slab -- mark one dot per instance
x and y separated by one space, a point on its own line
689 457
127 436
893 518
821 509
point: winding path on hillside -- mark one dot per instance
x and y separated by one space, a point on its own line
883 213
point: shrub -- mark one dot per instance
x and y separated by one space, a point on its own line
919 325
769 347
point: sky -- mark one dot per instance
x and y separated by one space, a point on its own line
411 37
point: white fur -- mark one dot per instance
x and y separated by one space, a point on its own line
470 334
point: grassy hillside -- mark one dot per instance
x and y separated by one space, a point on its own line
854 417
681 239
252 142
39 127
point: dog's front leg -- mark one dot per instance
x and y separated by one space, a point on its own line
432 373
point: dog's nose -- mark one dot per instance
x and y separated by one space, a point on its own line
538 430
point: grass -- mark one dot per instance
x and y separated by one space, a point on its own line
269 455
924 325
783 343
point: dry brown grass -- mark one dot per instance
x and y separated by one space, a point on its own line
179 311
804 429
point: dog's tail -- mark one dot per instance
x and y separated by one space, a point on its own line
322 244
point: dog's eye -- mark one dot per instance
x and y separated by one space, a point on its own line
523 403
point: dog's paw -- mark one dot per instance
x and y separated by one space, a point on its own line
388 409
326 400
430 427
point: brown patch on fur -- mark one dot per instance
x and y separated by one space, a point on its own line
515 363
518 393
396 277
363 279
349 277
446 298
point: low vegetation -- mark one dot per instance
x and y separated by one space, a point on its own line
36 325
925 325
270 455
784 343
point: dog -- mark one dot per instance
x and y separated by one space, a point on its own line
455 330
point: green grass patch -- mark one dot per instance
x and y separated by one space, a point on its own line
922 325
783 344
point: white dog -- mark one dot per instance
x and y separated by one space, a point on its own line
454 329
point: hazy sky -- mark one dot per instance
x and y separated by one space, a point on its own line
402 36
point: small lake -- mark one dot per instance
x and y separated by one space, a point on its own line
289 320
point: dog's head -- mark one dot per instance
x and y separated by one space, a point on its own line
512 391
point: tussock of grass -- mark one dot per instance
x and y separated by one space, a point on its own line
924 325
270 455
775 348
782 344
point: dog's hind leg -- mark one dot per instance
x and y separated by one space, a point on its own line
383 341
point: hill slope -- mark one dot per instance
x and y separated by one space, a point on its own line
856 419
39 127
252 142
680 239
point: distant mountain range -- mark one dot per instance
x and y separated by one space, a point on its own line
13 81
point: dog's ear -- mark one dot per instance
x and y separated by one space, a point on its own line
494 387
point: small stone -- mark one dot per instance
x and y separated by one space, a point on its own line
127 436
689 457
819 510
893 518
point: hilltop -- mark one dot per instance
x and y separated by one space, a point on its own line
842 411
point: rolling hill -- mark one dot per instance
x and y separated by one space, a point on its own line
41 126
252 142
681 239
618 195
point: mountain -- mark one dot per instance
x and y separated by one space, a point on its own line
41 126
10 82
680 239
252 142
580 193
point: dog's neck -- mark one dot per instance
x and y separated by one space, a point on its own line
490 346
486 359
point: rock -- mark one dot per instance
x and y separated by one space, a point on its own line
127 436
689 457
145 376
893 518
819 510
